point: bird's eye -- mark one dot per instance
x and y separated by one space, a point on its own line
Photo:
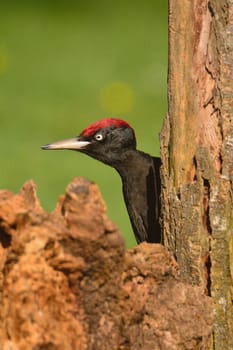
99 137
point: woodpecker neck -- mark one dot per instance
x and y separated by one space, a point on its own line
131 163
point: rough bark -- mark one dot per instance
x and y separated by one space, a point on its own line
197 152
67 282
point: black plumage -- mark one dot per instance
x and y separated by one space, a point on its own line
113 142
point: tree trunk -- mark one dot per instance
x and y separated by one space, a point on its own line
197 152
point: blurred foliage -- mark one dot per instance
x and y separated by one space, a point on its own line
65 64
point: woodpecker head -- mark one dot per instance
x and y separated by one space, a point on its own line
106 140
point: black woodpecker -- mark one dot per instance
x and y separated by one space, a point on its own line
113 142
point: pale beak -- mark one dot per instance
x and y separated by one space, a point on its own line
71 144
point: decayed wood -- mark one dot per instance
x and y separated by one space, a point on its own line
197 152
67 282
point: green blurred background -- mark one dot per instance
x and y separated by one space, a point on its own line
65 64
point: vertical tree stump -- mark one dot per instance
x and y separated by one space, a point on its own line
197 152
